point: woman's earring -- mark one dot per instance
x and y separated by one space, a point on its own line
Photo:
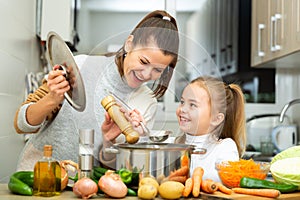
125 54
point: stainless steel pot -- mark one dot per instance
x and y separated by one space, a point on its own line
154 159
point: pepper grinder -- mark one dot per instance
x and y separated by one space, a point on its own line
110 105
86 147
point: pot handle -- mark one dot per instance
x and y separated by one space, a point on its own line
111 150
199 151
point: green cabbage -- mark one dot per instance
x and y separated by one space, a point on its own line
285 166
288 153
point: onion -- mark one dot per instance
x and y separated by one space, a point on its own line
64 179
85 188
66 166
112 185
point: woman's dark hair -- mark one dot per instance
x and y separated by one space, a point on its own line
161 28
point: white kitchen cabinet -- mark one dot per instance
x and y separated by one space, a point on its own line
58 16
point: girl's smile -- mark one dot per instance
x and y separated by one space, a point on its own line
183 121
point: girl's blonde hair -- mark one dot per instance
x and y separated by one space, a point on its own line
229 100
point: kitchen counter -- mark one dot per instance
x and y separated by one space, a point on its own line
67 195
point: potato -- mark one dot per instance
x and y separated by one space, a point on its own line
170 190
149 180
147 191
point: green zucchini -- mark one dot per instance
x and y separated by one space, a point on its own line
97 175
247 182
131 192
100 170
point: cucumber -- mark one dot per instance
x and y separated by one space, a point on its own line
247 182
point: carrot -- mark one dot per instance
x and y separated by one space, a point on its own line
272 193
183 171
180 179
222 188
197 179
188 186
185 160
208 186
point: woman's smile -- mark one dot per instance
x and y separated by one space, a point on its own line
138 77
144 64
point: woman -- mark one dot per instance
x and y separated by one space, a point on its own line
148 54
211 115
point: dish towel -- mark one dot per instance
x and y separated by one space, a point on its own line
32 82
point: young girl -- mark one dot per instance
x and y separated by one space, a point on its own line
212 116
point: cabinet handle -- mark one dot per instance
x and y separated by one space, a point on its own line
260 52
277 17
273 37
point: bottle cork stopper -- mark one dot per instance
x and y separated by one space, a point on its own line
48 150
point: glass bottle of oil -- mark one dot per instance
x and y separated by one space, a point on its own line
47 175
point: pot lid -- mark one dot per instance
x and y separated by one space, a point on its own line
60 54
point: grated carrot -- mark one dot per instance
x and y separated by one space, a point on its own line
232 172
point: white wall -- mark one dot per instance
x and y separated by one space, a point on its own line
18 56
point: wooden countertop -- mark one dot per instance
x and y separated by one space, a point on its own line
67 195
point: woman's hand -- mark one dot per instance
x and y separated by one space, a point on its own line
110 129
57 85
36 113
135 118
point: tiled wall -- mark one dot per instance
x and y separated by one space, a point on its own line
18 56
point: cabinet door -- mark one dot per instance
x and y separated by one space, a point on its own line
274 29
295 36
281 27
285 39
277 32
260 31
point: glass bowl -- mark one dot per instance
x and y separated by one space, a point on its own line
231 172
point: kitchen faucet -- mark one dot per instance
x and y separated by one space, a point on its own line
286 106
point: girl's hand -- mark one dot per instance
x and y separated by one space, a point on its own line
57 85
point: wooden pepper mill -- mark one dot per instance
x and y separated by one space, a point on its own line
110 105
